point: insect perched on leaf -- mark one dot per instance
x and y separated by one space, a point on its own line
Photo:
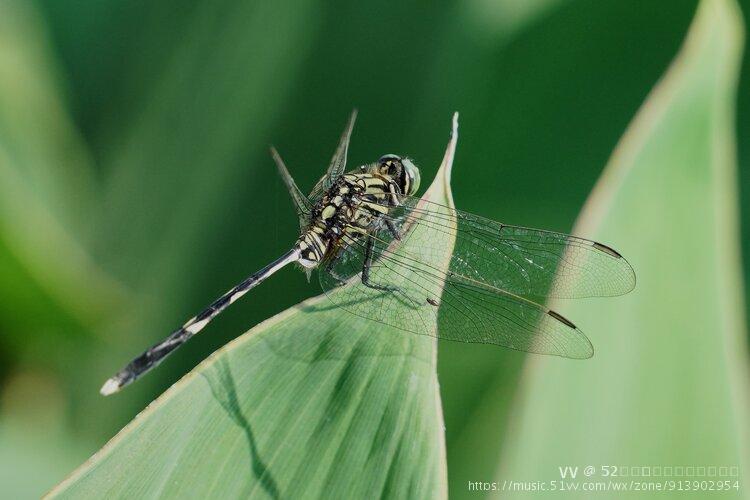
490 290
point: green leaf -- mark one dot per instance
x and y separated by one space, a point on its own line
313 402
668 385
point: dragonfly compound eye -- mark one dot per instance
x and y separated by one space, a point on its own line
411 177
390 165
402 170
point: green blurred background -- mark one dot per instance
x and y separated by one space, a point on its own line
138 185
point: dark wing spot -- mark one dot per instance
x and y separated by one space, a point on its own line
606 249
562 319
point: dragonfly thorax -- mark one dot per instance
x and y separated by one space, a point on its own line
353 205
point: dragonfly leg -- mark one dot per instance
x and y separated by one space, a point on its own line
392 229
367 264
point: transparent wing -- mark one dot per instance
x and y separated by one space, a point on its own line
531 263
486 288
338 162
425 296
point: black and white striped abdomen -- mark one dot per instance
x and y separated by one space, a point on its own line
312 246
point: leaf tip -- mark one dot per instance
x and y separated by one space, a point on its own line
441 183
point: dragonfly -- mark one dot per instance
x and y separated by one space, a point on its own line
476 279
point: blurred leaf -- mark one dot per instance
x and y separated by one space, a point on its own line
668 383
501 19
36 450
182 152
31 461
46 193
314 402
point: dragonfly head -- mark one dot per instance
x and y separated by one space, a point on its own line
402 170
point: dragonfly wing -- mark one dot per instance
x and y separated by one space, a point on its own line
531 263
428 296
477 313
338 162
302 205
